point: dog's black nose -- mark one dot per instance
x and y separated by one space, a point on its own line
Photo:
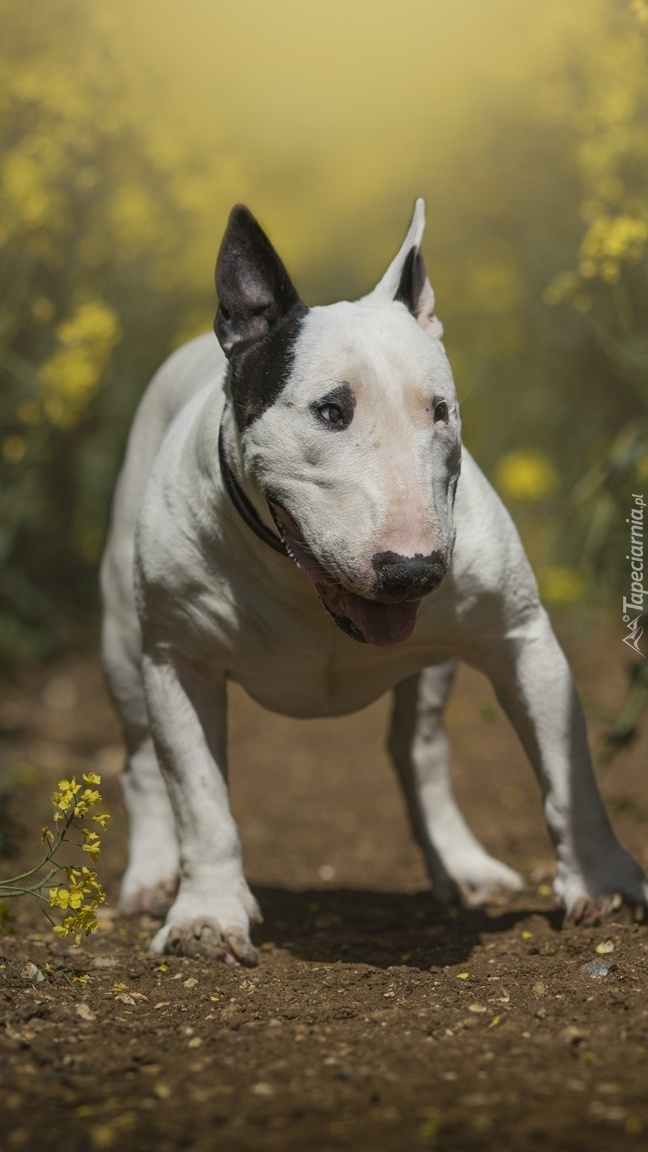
407 577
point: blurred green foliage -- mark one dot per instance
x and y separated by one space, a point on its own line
551 333
89 235
536 246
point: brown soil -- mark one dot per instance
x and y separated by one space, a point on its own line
375 1021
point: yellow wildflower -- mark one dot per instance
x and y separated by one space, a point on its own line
65 898
526 474
87 800
65 798
92 844
562 288
14 449
72 374
69 786
561 584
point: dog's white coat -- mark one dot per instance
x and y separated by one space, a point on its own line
193 598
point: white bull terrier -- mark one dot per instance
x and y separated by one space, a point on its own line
291 516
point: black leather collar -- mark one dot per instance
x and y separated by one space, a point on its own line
243 506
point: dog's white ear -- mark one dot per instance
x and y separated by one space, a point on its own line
406 279
254 290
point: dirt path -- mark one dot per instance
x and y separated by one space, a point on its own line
374 1021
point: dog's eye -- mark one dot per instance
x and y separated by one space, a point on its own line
332 414
441 412
336 408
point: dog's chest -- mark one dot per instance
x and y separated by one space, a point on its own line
306 688
304 681
281 646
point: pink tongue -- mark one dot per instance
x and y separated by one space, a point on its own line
381 623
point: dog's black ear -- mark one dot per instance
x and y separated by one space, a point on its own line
414 289
254 290
406 279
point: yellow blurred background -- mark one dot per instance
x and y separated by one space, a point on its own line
331 118
127 132
318 112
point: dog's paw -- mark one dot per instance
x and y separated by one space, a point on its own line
222 933
590 896
141 895
204 937
480 878
499 882
155 900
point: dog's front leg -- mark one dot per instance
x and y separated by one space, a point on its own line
420 749
213 909
535 687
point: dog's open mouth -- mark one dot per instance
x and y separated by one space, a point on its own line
369 621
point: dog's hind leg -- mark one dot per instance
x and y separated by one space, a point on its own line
420 749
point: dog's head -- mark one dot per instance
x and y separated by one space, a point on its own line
349 427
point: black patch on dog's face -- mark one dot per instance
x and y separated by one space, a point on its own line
259 372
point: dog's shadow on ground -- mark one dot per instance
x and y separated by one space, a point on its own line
380 928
